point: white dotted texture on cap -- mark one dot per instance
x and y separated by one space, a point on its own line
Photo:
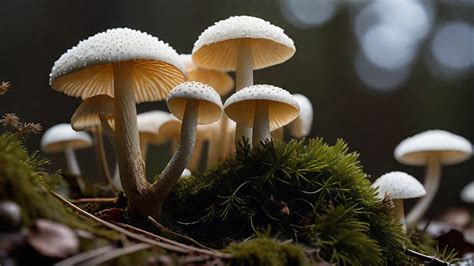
210 103
467 193
218 80
86 70
150 123
399 185
217 46
87 114
282 106
448 147
301 126
56 138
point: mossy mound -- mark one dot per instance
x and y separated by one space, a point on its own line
312 193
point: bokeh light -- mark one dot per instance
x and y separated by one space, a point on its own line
308 13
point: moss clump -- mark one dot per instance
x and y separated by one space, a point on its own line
267 252
22 181
312 193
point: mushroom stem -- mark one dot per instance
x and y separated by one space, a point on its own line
261 127
243 78
196 158
181 157
101 157
431 184
399 212
73 167
223 136
127 146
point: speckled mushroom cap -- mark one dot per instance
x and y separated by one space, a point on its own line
220 81
210 104
467 193
217 46
399 185
86 69
282 106
448 147
301 126
87 114
150 123
58 137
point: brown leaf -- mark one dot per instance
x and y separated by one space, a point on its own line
52 239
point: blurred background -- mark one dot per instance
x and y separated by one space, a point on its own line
375 71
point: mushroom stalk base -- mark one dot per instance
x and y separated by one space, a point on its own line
180 159
432 180
261 127
399 212
127 146
243 78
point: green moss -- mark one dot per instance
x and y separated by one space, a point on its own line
266 252
22 181
313 193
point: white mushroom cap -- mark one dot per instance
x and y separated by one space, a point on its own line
86 70
399 185
60 136
301 126
467 193
150 123
210 104
186 173
282 106
217 46
87 114
220 81
448 147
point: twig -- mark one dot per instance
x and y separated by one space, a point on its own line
117 253
95 200
206 251
120 229
425 258
167 230
86 255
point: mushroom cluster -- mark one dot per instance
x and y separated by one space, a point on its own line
114 70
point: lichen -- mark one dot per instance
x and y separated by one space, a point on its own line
312 193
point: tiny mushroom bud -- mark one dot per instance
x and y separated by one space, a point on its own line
467 193
262 107
432 148
242 44
62 138
193 103
399 186
186 173
301 126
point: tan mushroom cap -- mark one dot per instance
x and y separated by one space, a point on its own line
448 147
399 185
220 81
282 107
87 114
210 104
150 123
60 136
217 47
86 69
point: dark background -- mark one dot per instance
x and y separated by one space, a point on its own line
34 33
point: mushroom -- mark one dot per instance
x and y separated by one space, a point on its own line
149 124
88 117
62 138
186 173
262 107
133 67
399 186
467 193
10 216
242 44
193 103
432 148
301 126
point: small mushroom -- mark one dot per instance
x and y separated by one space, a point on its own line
242 44
10 216
399 186
88 117
262 107
193 103
467 193
432 148
149 124
186 173
301 126
62 138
